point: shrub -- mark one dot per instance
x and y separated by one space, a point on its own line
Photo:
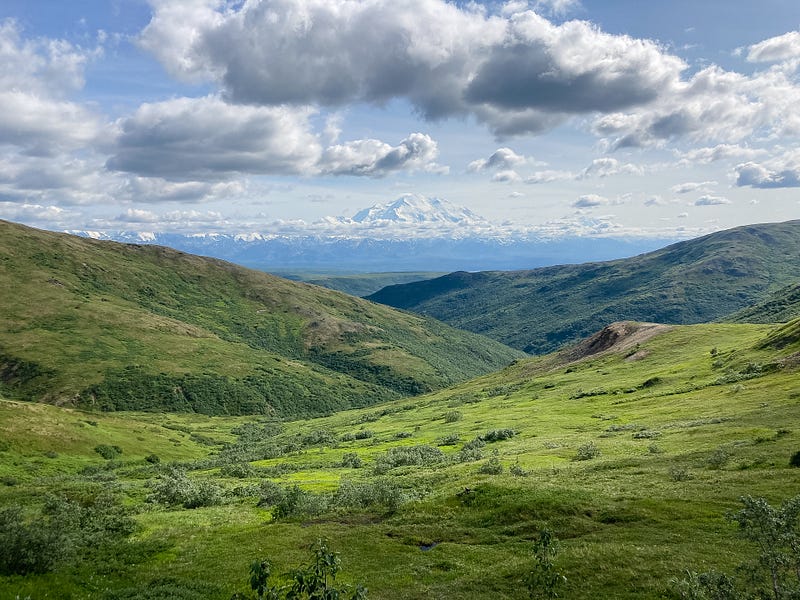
718 459
351 460
108 452
400 435
448 440
380 492
517 471
491 467
679 474
452 416
587 451
794 461
498 435
29 547
421 455
153 459
270 493
239 470
297 502
364 434
175 488
471 451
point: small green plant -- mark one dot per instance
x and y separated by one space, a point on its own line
543 580
317 581
718 459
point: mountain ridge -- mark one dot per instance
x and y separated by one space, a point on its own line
126 322
538 310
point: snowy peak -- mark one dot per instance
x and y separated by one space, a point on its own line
412 209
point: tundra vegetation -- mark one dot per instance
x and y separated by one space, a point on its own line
678 468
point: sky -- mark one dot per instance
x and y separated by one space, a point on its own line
571 117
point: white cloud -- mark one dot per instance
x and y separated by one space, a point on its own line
590 201
780 48
515 71
605 167
502 158
208 139
709 200
35 77
719 152
549 176
779 173
507 176
692 186
418 152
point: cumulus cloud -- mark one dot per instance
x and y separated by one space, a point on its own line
780 48
206 139
783 173
515 71
709 200
35 78
713 105
376 159
502 158
590 201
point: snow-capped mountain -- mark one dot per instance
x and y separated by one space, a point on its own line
413 233
414 209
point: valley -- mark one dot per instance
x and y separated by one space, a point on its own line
631 446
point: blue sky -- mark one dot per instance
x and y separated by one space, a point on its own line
622 117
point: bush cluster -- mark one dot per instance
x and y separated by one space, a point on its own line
175 488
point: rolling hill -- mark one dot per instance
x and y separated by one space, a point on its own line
779 307
122 327
537 311
631 447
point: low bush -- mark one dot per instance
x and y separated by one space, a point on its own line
587 451
108 452
498 435
174 488
351 460
421 455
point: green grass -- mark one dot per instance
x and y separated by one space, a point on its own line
117 326
686 422
695 281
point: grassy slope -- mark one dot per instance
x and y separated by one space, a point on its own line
686 421
781 306
358 284
690 282
77 313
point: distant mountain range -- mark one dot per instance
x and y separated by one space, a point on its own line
413 233
695 281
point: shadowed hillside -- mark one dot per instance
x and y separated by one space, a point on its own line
539 310
117 326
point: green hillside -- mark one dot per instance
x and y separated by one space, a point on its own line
631 447
779 307
126 327
696 281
